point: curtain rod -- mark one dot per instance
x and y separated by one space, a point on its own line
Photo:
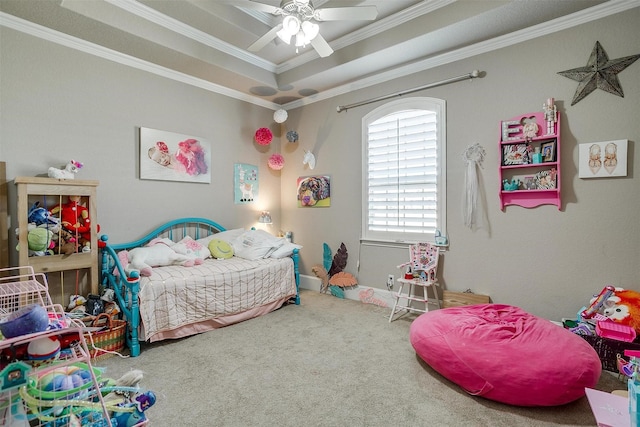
471 75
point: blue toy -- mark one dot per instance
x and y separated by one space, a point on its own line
39 215
140 403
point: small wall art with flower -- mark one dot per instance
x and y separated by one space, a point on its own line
245 179
169 156
314 191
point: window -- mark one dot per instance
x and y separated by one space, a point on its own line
403 171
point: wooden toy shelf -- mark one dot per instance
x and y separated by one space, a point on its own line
50 192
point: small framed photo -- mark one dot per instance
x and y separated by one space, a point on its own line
529 183
548 151
514 154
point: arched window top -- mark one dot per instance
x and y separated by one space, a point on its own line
403 166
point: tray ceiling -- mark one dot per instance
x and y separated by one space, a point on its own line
204 42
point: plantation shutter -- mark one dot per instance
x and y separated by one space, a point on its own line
402 174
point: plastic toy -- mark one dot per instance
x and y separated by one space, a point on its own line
27 320
43 348
597 302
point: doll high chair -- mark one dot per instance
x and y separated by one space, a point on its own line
422 271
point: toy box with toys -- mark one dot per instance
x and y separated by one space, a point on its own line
610 324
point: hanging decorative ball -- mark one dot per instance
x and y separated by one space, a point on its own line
263 136
292 136
276 162
280 116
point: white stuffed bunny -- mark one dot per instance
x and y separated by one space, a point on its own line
157 253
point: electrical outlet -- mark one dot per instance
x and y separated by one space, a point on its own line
390 281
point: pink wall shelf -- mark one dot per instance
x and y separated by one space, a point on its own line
529 152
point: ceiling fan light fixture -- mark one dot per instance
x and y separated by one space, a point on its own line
310 30
290 27
284 36
291 24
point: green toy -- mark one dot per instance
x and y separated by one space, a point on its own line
40 242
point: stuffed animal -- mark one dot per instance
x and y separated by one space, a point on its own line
76 303
68 172
40 241
75 218
157 253
39 215
623 307
66 242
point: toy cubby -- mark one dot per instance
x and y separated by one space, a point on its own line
49 192
529 171
25 398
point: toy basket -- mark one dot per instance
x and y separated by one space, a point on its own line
608 350
111 339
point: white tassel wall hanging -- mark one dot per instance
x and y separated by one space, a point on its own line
472 203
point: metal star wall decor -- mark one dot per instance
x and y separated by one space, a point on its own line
599 73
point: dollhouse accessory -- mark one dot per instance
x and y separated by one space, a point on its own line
472 204
68 172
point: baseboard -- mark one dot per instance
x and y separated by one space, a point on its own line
381 297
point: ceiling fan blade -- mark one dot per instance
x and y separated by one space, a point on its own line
364 13
262 41
253 5
321 46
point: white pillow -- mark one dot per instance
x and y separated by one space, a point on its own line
285 250
228 236
255 244
191 248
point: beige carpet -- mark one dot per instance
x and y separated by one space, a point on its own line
327 362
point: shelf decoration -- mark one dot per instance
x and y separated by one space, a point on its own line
599 73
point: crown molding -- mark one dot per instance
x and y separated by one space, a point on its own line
176 26
75 43
596 12
602 10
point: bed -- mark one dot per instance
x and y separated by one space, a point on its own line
176 301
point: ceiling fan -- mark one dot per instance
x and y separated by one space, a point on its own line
298 22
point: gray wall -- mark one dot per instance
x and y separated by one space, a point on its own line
58 104
545 260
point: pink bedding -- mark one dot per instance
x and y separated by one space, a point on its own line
179 301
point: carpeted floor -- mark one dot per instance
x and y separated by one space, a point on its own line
327 362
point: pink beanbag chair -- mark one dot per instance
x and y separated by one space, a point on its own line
505 354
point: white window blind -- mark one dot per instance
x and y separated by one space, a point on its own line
402 176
